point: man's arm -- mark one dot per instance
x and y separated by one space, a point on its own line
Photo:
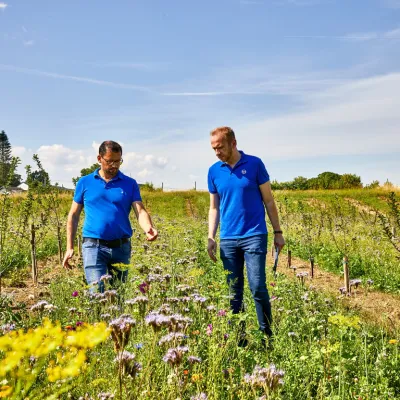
72 227
213 222
144 220
272 212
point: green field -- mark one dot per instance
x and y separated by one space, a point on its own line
322 350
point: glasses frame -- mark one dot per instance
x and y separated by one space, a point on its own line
111 162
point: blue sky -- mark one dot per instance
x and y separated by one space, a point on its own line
308 85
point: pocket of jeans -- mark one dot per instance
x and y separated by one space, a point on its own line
89 245
126 248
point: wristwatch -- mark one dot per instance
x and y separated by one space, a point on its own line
276 232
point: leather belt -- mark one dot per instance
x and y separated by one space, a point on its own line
112 244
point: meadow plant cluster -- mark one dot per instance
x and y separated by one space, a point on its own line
326 227
168 333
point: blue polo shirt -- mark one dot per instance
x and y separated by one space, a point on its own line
107 205
242 212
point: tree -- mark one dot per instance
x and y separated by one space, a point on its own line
84 172
39 177
5 158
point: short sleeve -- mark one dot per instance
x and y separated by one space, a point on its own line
136 192
262 174
211 186
78 196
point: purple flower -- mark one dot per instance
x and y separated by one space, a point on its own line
7 328
144 287
79 323
226 336
221 313
75 293
209 329
129 366
273 284
120 330
171 337
201 396
194 360
270 377
355 282
105 277
174 356
40 306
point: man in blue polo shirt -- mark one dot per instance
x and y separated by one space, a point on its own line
107 195
239 189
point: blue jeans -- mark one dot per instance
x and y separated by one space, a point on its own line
253 250
98 260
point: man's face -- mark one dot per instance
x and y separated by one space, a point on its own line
222 147
110 162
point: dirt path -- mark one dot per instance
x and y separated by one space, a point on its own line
379 308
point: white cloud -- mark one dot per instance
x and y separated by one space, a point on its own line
145 173
393 34
357 118
29 43
3 6
18 151
73 78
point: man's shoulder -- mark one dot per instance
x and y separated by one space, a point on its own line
215 167
253 159
84 180
129 180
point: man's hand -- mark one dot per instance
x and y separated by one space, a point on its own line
279 241
212 249
151 234
68 255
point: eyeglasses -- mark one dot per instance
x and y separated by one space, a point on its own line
111 162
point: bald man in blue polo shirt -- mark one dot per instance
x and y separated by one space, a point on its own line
240 191
107 196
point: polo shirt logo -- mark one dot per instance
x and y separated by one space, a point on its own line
244 171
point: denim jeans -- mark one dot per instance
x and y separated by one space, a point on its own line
98 260
253 251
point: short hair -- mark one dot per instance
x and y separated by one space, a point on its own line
110 145
226 131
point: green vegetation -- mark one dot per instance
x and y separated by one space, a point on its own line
173 336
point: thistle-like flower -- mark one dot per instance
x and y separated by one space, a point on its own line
194 360
267 378
128 364
201 396
120 331
39 306
172 337
174 356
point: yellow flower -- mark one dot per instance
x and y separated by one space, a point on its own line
343 321
5 391
197 378
393 341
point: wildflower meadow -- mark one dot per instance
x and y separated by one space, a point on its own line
168 332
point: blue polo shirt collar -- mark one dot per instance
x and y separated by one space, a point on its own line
116 177
243 159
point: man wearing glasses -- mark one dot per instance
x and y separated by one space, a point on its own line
107 196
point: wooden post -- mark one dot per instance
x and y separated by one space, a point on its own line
346 274
162 186
312 267
78 238
289 258
33 255
60 249
194 185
